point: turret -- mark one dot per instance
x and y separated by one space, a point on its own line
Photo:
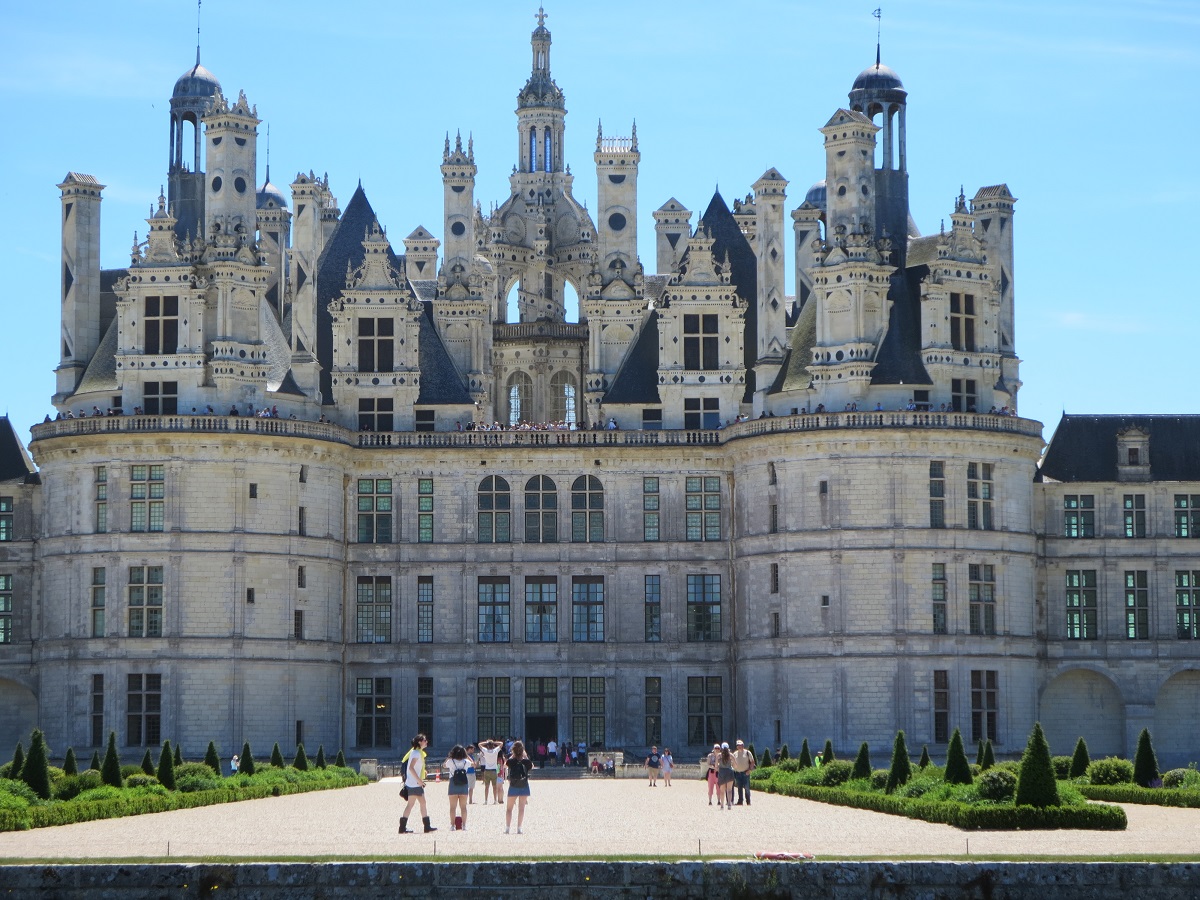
541 110
880 96
231 133
849 173
194 91
81 196
420 254
458 182
616 225
672 227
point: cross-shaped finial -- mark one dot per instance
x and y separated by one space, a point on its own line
540 15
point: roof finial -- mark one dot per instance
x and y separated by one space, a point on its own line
540 15
599 133
268 153
198 2
878 14
635 134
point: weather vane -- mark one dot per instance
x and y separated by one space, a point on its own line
540 15
878 14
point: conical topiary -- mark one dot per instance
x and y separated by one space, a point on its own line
979 753
321 764
212 759
301 761
36 771
276 756
110 770
246 761
1080 759
70 765
901 769
178 755
754 755
341 759
925 760
766 759
783 753
166 767
18 761
827 753
958 770
95 763
147 763
1036 784
989 756
1145 763
805 756
862 763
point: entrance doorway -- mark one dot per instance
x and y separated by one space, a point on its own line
541 713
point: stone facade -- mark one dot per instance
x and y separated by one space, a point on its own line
713 509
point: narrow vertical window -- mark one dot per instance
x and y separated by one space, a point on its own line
548 156
653 603
6 518
301 577
145 601
101 501
938 596
541 510
494 610
301 521
587 711
1137 605
493 704
425 510
979 496
298 624
374 510
1187 599
937 494
985 705
704 607
1081 604
99 577
650 509
1079 516
1187 515
425 706
774 518
1134 509
982 596
653 694
941 706
587 509
541 610
143 710
6 609
425 609
587 609
147 490
705 703
97 710
703 508
493 503
373 712
774 578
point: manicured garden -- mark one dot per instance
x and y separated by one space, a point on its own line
35 794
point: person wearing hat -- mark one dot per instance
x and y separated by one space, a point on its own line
743 765
725 777
711 776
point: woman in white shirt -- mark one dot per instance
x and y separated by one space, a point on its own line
457 764
414 783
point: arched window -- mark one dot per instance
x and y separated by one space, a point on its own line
548 155
587 510
562 398
532 149
520 398
541 510
494 503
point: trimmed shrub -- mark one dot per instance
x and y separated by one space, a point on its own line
178 755
1111 770
95 763
750 747
36 771
958 770
321 764
783 752
19 789
301 761
1062 767
805 756
836 772
212 759
1131 793
979 754
879 778
340 762
901 768
18 761
1145 763
276 756
925 761
862 763
765 762
140 781
1036 785
130 769
70 766
246 760
71 786
166 767
827 754
989 756
1080 759
997 785
1178 778
148 764
111 769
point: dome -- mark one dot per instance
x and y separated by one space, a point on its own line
196 82
816 195
878 78
269 194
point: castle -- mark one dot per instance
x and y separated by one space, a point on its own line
302 485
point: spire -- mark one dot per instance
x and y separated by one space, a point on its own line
268 153
599 133
635 134
198 2
878 14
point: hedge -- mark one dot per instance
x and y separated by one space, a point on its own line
1131 793
136 804
961 815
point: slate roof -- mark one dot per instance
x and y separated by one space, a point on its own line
654 286
440 381
899 358
14 461
922 250
1084 448
728 237
792 375
101 371
637 379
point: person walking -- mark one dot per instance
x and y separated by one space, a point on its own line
711 777
490 750
472 762
668 764
457 764
725 777
653 763
552 752
519 767
414 783
743 764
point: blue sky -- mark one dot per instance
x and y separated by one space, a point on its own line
1086 110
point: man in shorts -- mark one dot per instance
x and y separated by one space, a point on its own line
653 764
491 753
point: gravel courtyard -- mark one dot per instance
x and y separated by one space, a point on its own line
574 818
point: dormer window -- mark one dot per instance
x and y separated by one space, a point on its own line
1133 454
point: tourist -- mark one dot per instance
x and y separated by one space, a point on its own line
653 764
490 751
519 768
725 777
668 764
472 761
457 764
414 783
743 764
711 776
552 752
233 765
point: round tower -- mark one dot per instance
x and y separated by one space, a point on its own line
190 99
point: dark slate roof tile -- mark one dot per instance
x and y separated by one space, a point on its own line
1084 448
440 381
728 238
899 358
637 379
14 460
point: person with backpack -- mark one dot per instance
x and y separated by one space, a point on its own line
519 767
457 764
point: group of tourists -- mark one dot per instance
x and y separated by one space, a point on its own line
660 764
729 771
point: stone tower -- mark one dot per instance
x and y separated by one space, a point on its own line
769 250
458 182
616 227
879 95
672 228
194 91
81 196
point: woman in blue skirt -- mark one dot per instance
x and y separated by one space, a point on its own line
519 767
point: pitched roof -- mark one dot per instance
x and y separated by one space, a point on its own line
728 238
792 375
899 358
14 461
101 371
440 381
1084 448
637 379
993 191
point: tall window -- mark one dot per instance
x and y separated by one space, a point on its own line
97 710
982 592
1079 516
425 510
101 502
147 488
373 712
937 494
493 503
301 520
774 578
587 509
653 595
541 510
653 692
145 601
773 524
143 710
376 342
979 496
587 711
985 705
99 577
374 510
587 609
520 398
1081 604
547 156
425 609
495 610
161 324
1135 515
704 607
562 398
703 501
701 412
160 398
962 321
938 589
541 610
493 707
706 724
298 624
6 607
533 149
1187 599
1137 605
425 706
376 414
701 341
941 706
1187 515
373 614
962 394
650 505
6 518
